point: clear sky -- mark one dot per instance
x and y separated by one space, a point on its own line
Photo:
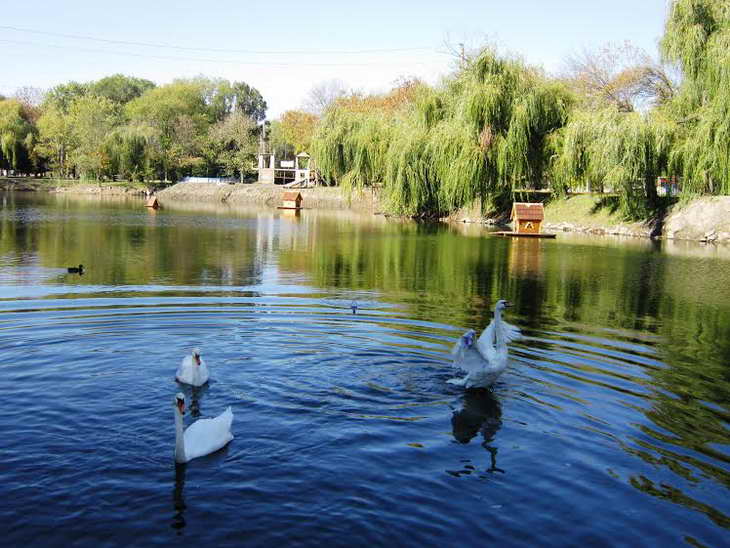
283 48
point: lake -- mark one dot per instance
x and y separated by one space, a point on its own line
610 426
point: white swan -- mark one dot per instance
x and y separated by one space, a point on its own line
485 358
192 370
203 437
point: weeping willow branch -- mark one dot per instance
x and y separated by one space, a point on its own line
697 37
474 137
616 152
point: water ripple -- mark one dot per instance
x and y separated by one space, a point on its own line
344 423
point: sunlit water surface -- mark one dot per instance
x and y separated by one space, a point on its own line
610 426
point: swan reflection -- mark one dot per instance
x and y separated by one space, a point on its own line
480 414
178 520
195 395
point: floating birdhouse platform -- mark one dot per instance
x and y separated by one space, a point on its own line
152 202
291 200
527 219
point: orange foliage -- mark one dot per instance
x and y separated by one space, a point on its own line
297 128
401 95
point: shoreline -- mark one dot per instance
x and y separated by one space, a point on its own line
267 194
57 186
705 219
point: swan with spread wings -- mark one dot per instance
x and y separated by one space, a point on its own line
484 359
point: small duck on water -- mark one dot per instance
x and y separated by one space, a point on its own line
76 269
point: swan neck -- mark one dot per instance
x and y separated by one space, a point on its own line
498 331
179 437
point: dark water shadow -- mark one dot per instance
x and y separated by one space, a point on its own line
481 413
178 500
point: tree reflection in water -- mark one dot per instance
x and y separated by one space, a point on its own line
194 394
481 413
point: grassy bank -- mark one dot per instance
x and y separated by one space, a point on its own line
585 210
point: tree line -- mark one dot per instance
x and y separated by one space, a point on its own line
614 121
127 127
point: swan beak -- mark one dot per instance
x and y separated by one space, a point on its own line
181 406
196 357
508 304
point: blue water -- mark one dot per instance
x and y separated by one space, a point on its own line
610 426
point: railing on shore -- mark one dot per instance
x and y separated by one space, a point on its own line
208 180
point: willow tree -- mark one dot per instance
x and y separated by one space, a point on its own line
17 136
477 136
350 147
697 38
611 150
128 149
494 128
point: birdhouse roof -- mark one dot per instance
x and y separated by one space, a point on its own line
292 195
302 155
527 212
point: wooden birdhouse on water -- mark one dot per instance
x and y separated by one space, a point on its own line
527 217
291 200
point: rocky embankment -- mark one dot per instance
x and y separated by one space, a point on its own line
704 219
267 195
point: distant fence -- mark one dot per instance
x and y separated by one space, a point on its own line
208 180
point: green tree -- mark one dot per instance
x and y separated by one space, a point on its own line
62 95
54 138
223 98
91 121
234 140
696 37
122 125
613 150
248 100
129 148
169 108
274 133
17 135
478 135
119 88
